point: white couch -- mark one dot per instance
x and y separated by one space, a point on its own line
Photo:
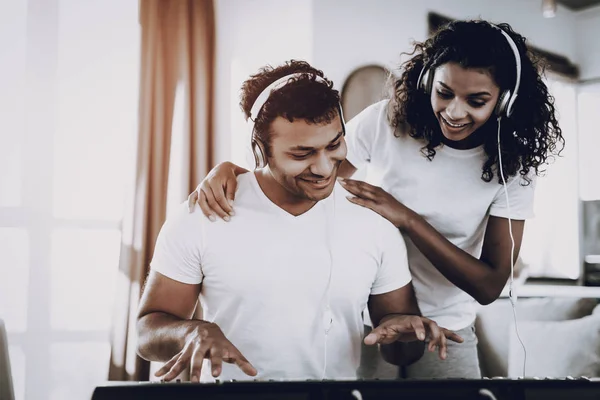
561 337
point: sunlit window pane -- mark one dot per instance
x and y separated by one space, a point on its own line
76 369
84 266
14 270
97 107
17 365
13 37
177 181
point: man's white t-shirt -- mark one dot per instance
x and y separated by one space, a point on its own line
265 275
447 192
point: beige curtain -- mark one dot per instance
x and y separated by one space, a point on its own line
177 48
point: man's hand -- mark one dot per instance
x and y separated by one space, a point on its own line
408 328
205 341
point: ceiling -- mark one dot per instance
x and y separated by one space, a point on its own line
577 5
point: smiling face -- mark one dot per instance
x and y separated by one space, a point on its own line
462 99
304 158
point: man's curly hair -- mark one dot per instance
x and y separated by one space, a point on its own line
478 44
301 98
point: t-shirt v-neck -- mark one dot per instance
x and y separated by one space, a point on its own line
316 214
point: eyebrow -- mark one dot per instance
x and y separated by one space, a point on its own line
305 148
484 93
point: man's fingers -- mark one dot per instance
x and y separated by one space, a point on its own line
196 360
181 363
214 205
380 335
443 348
232 355
176 369
437 338
371 339
442 345
418 328
244 364
216 361
167 366
452 336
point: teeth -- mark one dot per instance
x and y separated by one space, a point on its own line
452 125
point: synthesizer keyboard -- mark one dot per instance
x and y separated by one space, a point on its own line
463 389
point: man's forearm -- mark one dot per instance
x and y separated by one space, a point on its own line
162 335
402 354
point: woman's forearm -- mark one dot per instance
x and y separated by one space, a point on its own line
479 279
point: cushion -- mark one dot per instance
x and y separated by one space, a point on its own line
493 320
556 348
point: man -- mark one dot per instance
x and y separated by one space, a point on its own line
283 284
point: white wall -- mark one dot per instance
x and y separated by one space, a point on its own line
587 29
250 34
355 32
338 36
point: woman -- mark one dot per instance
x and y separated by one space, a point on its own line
458 146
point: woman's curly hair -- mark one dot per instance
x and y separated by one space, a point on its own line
301 98
478 44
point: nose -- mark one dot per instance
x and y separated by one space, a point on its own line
456 110
323 165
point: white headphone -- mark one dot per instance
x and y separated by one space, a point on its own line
506 100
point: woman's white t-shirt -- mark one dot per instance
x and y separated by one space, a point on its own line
447 191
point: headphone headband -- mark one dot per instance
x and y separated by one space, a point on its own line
278 84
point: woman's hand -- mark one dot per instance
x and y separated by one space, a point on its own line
216 192
380 201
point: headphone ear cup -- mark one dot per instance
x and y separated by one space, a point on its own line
502 104
260 159
429 81
425 80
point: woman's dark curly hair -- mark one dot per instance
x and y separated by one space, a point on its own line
478 44
301 98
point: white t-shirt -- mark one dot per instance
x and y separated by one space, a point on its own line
265 274
447 191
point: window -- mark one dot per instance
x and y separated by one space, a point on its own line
551 240
68 120
588 100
